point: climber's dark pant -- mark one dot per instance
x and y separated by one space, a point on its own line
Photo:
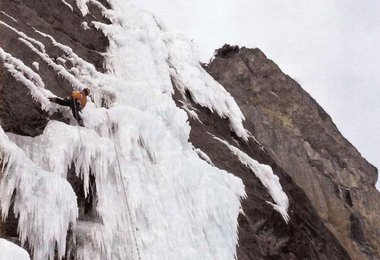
74 105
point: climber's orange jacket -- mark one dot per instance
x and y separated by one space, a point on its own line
78 95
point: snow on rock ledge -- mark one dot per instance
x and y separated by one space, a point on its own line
27 77
267 178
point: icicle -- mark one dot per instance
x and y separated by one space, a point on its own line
44 203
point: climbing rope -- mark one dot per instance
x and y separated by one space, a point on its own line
82 147
125 196
131 220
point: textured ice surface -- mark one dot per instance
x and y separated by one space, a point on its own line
44 202
11 251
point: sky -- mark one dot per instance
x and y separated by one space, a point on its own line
332 48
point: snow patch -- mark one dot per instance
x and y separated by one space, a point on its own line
86 74
36 65
204 156
11 251
82 5
24 36
191 113
267 178
68 5
7 15
57 67
28 78
85 26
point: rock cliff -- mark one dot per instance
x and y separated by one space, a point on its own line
303 140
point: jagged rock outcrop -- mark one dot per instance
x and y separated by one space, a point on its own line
303 140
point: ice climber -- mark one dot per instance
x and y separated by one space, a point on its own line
76 101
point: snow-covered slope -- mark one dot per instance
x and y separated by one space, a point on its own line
155 198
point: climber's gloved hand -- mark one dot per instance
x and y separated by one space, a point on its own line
52 99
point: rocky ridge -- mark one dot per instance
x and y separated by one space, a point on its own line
303 140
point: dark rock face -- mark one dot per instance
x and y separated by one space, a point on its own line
18 99
301 138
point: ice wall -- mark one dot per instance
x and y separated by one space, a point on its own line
155 198
44 202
